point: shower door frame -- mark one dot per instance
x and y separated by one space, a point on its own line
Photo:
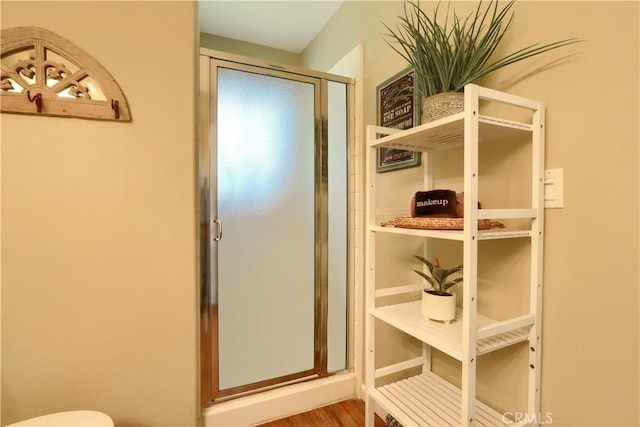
209 226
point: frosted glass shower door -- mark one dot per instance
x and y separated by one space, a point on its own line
264 174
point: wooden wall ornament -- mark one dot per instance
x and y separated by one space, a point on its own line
45 74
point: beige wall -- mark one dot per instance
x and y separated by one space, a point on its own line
99 295
591 313
252 50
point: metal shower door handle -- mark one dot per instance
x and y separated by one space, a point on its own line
219 228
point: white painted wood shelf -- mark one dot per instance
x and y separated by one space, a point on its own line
427 399
448 337
498 233
447 133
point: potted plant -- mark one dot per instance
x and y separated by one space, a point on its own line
438 303
451 52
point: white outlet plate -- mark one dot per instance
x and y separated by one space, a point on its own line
554 188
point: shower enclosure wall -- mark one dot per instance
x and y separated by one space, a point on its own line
273 223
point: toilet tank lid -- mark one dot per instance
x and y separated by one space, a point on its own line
68 419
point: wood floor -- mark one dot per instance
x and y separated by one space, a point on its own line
349 413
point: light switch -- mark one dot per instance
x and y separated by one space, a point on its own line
553 188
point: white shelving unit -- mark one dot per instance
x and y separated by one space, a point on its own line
427 399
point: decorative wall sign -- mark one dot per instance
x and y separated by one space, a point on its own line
45 74
397 108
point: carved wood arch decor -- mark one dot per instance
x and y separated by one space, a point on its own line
45 74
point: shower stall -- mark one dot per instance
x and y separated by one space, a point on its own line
273 208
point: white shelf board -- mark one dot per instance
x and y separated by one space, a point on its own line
445 337
428 400
448 133
491 234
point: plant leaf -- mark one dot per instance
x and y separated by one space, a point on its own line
429 279
448 56
426 262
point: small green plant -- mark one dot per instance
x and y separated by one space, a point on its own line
439 277
449 53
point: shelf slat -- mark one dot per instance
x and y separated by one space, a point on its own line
503 234
399 367
428 400
506 326
446 337
437 234
506 213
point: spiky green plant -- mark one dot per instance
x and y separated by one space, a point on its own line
448 56
438 277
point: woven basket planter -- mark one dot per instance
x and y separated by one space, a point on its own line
441 105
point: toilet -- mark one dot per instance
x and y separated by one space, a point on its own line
68 419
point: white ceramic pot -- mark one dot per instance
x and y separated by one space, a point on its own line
439 307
